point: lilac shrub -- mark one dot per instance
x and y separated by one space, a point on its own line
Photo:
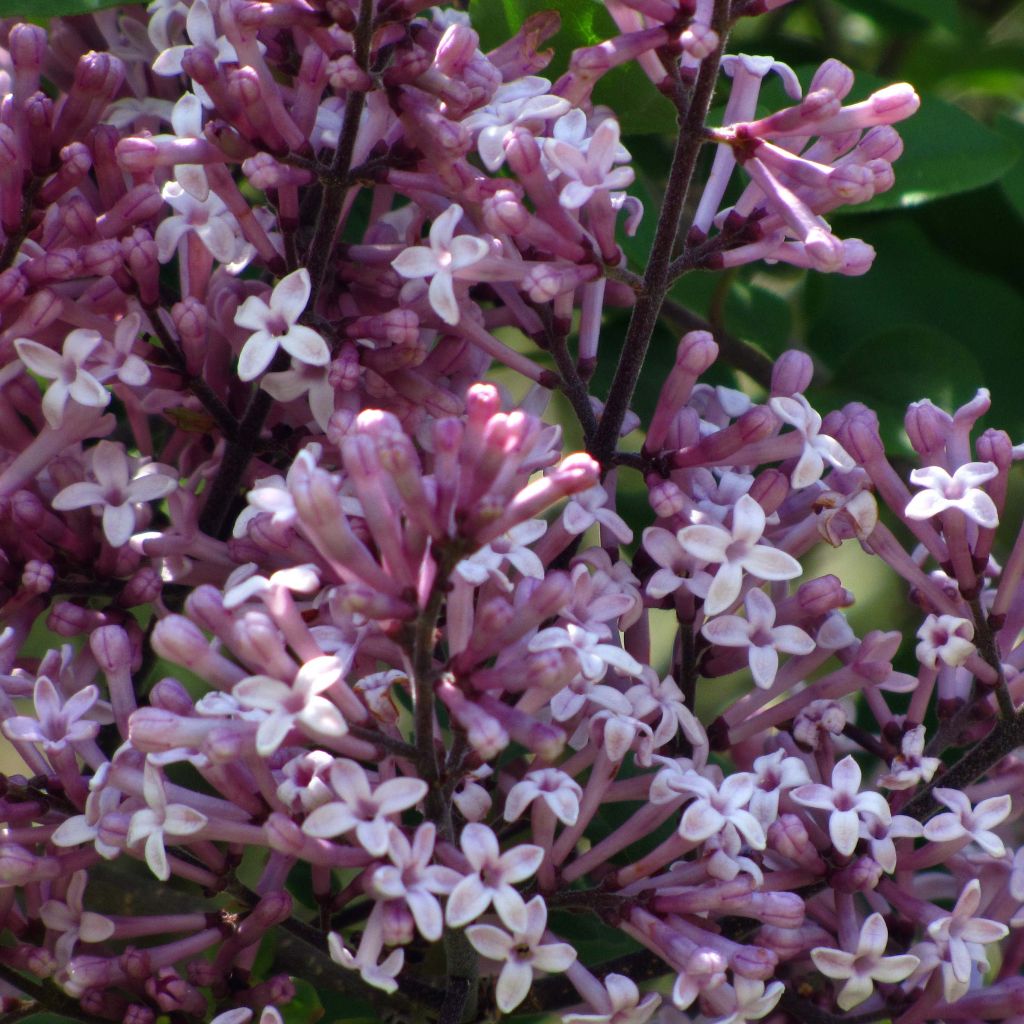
328 665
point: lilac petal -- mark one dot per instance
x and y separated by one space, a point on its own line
575 194
426 912
724 589
844 828
846 776
442 297
511 908
491 145
944 828
513 985
706 542
253 314
416 261
85 389
156 857
151 486
771 564
468 900
57 916
855 991
764 665
977 505
291 294
80 344
662 546
522 861
792 640
980 929
306 345
110 465
168 234
219 238
443 228
480 845
874 937
748 520
467 250
554 956
182 820
728 630
257 354
39 359
373 836
924 505
892 969
700 821
78 495
399 794
833 963
330 820
79 704
272 732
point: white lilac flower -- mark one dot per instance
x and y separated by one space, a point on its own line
59 722
559 791
290 707
201 32
736 551
491 879
961 939
626 1005
773 774
511 547
244 582
74 922
845 804
187 123
594 657
591 171
119 360
965 821
651 696
275 325
412 878
946 639
116 490
716 806
361 809
67 371
440 261
159 820
880 837
960 491
523 101
585 509
304 785
861 969
754 1001
304 379
520 954
910 767
210 220
818 448
379 974
759 634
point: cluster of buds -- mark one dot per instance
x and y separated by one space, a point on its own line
307 612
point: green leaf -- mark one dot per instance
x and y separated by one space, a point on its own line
40 10
909 15
1012 182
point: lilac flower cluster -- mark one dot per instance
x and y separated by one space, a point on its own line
307 612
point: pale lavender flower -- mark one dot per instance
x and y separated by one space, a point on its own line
159 820
591 171
960 491
441 260
754 1000
59 722
75 923
71 381
294 706
511 547
845 804
209 219
361 809
520 954
717 806
560 792
275 325
492 878
964 821
759 634
116 490
818 448
910 767
861 969
626 1005
594 658
736 551
945 639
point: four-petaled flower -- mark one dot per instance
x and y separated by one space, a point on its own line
736 551
520 954
818 448
845 802
361 809
67 371
275 324
159 819
441 261
492 878
73 921
960 491
560 792
717 806
60 721
591 171
961 938
625 1004
860 970
594 657
116 490
295 705
759 634
946 639
964 821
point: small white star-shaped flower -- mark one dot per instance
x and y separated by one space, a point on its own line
441 261
946 639
753 1000
67 371
626 1006
210 220
860 970
159 819
511 547
910 766
116 490
818 448
736 551
559 791
275 324
964 820
960 491
759 634
73 921
520 954
845 803
594 657
591 171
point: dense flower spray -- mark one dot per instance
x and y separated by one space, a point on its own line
316 631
